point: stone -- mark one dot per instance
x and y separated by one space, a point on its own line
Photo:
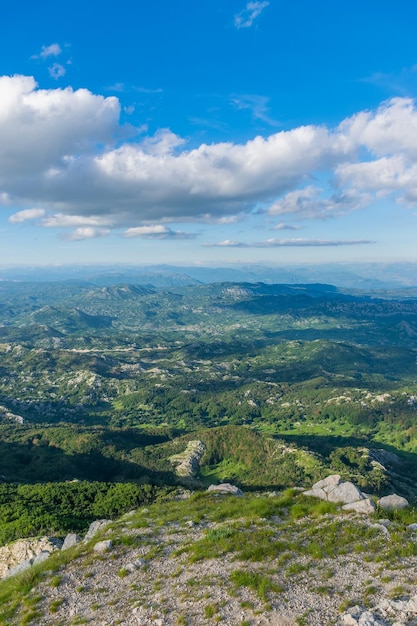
134 565
23 550
103 546
331 481
412 605
20 567
412 527
361 506
345 492
70 540
393 502
95 527
41 557
356 616
226 489
383 529
316 492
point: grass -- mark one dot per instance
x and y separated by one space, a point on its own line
241 530
257 582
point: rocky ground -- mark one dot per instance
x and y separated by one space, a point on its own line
279 559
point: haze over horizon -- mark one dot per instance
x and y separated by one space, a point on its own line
208 133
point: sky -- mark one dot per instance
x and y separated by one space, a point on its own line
208 132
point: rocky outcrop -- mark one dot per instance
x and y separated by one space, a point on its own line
188 462
386 613
22 554
333 489
225 489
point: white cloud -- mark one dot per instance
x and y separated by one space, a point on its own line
43 129
285 243
59 220
157 231
66 151
87 232
53 50
56 71
283 226
246 17
308 203
26 214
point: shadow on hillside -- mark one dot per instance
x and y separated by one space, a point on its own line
30 463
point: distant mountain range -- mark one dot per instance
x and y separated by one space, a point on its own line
363 276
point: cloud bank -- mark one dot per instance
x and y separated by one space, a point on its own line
65 152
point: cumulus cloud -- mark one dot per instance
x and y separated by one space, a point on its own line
285 243
86 232
157 231
26 214
246 17
309 203
59 220
66 150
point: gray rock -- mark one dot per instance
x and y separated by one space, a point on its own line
95 527
225 488
21 567
356 616
384 530
393 502
331 481
70 540
345 492
131 567
316 492
103 546
361 506
41 557
412 527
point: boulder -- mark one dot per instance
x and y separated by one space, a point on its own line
361 506
70 540
357 616
95 527
103 546
20 567
316 492
225 488
344 492
41 557
393 502
25 550
331 481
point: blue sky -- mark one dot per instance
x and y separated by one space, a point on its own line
202 131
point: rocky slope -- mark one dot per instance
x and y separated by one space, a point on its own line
280 559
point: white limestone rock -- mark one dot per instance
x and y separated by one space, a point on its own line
226 489
95 527
70 540
345 492
23 550
362 506
103 546
393 502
